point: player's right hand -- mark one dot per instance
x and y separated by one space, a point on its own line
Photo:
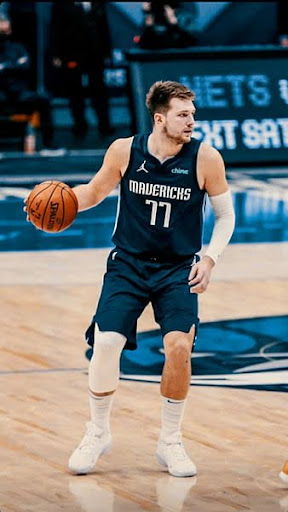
25 209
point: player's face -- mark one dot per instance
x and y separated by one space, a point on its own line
179 120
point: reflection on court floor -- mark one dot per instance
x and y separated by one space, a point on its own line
260 200
171 494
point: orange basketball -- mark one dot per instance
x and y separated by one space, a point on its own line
52 206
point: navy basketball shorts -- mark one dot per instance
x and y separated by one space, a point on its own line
131 283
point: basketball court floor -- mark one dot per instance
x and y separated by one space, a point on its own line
235 425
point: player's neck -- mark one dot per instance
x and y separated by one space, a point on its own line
161 147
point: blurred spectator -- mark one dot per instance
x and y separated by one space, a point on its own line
282 23
15 92
168 25
23 20
80 43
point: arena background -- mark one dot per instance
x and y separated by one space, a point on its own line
236 420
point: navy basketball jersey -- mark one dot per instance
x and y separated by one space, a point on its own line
160 209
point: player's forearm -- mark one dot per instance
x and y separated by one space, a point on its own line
224 224
87 198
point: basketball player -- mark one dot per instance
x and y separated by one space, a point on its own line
165 176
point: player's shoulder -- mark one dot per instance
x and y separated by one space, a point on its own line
208 153
118 153
209 164
121 146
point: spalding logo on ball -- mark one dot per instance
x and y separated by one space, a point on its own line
52 206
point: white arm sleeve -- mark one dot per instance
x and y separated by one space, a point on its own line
224 224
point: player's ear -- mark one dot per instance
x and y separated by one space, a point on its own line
158 118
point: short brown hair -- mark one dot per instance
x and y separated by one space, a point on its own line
160 93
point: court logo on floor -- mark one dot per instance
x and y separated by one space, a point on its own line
248 353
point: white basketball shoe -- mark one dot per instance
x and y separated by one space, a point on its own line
94 443
174 457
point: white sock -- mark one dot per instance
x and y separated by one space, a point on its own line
172 416
100 407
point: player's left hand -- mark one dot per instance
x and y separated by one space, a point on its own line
199 276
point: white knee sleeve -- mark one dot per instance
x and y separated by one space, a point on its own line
104 365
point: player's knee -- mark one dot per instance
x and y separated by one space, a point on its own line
108 341
104 365
178 350
108 346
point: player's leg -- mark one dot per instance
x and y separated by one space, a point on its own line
176 374
176 310
114 326
174 389
103 381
